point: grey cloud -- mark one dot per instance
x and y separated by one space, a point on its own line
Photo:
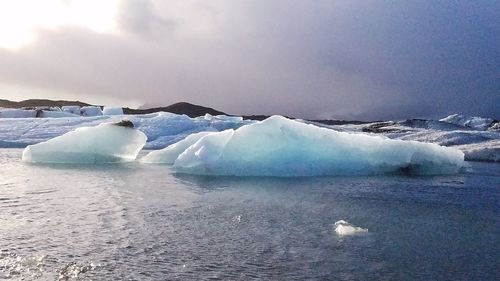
140 17
344 59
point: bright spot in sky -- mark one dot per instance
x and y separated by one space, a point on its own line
20 19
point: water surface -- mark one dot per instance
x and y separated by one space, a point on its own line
143 222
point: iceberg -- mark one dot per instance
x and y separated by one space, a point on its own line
343 228
73 109
476 123
161 128
91 111
55 114
171 152
17 113
279 146
488 151
105 143
164 128
112 111
476 137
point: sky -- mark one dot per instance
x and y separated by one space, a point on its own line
365 60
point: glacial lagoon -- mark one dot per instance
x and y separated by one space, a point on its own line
133 221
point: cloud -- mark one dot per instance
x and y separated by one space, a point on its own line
345 59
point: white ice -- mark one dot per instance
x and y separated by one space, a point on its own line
279 146
56 114
477 139
171 152
105 143
16 113
162 128
91 111
477 123
488 151
343 228
112 111
73 109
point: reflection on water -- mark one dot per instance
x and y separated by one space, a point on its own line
142 222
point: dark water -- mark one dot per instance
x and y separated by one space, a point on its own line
141 222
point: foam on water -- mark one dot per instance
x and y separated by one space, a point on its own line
16 267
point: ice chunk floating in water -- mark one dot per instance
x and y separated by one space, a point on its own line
171 152
344 228
105 143
279 146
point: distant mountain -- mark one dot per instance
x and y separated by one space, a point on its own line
39 102
191 110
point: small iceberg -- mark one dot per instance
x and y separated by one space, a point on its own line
105 143
343 228
279 146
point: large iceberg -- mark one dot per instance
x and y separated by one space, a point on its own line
169 154
279 146
105 143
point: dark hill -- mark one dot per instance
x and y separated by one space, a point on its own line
39 102
189 109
